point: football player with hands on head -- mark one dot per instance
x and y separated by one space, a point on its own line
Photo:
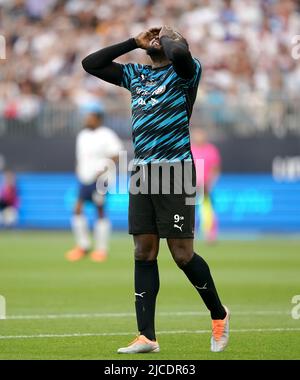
162 98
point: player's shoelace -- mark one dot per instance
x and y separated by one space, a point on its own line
218 328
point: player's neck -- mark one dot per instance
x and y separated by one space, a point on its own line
160 62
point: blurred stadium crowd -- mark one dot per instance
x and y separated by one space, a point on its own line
244 46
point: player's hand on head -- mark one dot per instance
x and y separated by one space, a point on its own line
168 31
144 38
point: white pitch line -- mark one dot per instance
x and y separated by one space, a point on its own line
84 335
124 315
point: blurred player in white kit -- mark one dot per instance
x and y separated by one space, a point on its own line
96 146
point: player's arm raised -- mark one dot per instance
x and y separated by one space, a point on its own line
177 51
101 65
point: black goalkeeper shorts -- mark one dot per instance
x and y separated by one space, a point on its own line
162 200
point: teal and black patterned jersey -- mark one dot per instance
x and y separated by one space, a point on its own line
162 104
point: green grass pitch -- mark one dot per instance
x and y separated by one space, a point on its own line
61 310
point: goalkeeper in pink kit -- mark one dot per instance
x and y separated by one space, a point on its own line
203 150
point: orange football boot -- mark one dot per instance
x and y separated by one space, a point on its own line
75 254
98 256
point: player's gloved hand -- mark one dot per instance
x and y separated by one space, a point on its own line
144 39
168 31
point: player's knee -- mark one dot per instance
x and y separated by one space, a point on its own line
181 258
78 209
145 251
182 254
101 214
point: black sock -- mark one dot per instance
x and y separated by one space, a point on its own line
197 271
146 289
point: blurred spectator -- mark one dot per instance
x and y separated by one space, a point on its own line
208 166
8 200
244 46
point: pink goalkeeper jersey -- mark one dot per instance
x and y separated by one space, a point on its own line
8 194
211 156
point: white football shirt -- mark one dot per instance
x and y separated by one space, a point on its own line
94 148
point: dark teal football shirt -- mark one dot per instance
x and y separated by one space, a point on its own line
162 104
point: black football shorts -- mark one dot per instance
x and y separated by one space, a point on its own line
162 199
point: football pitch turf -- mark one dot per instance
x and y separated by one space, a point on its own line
84 310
